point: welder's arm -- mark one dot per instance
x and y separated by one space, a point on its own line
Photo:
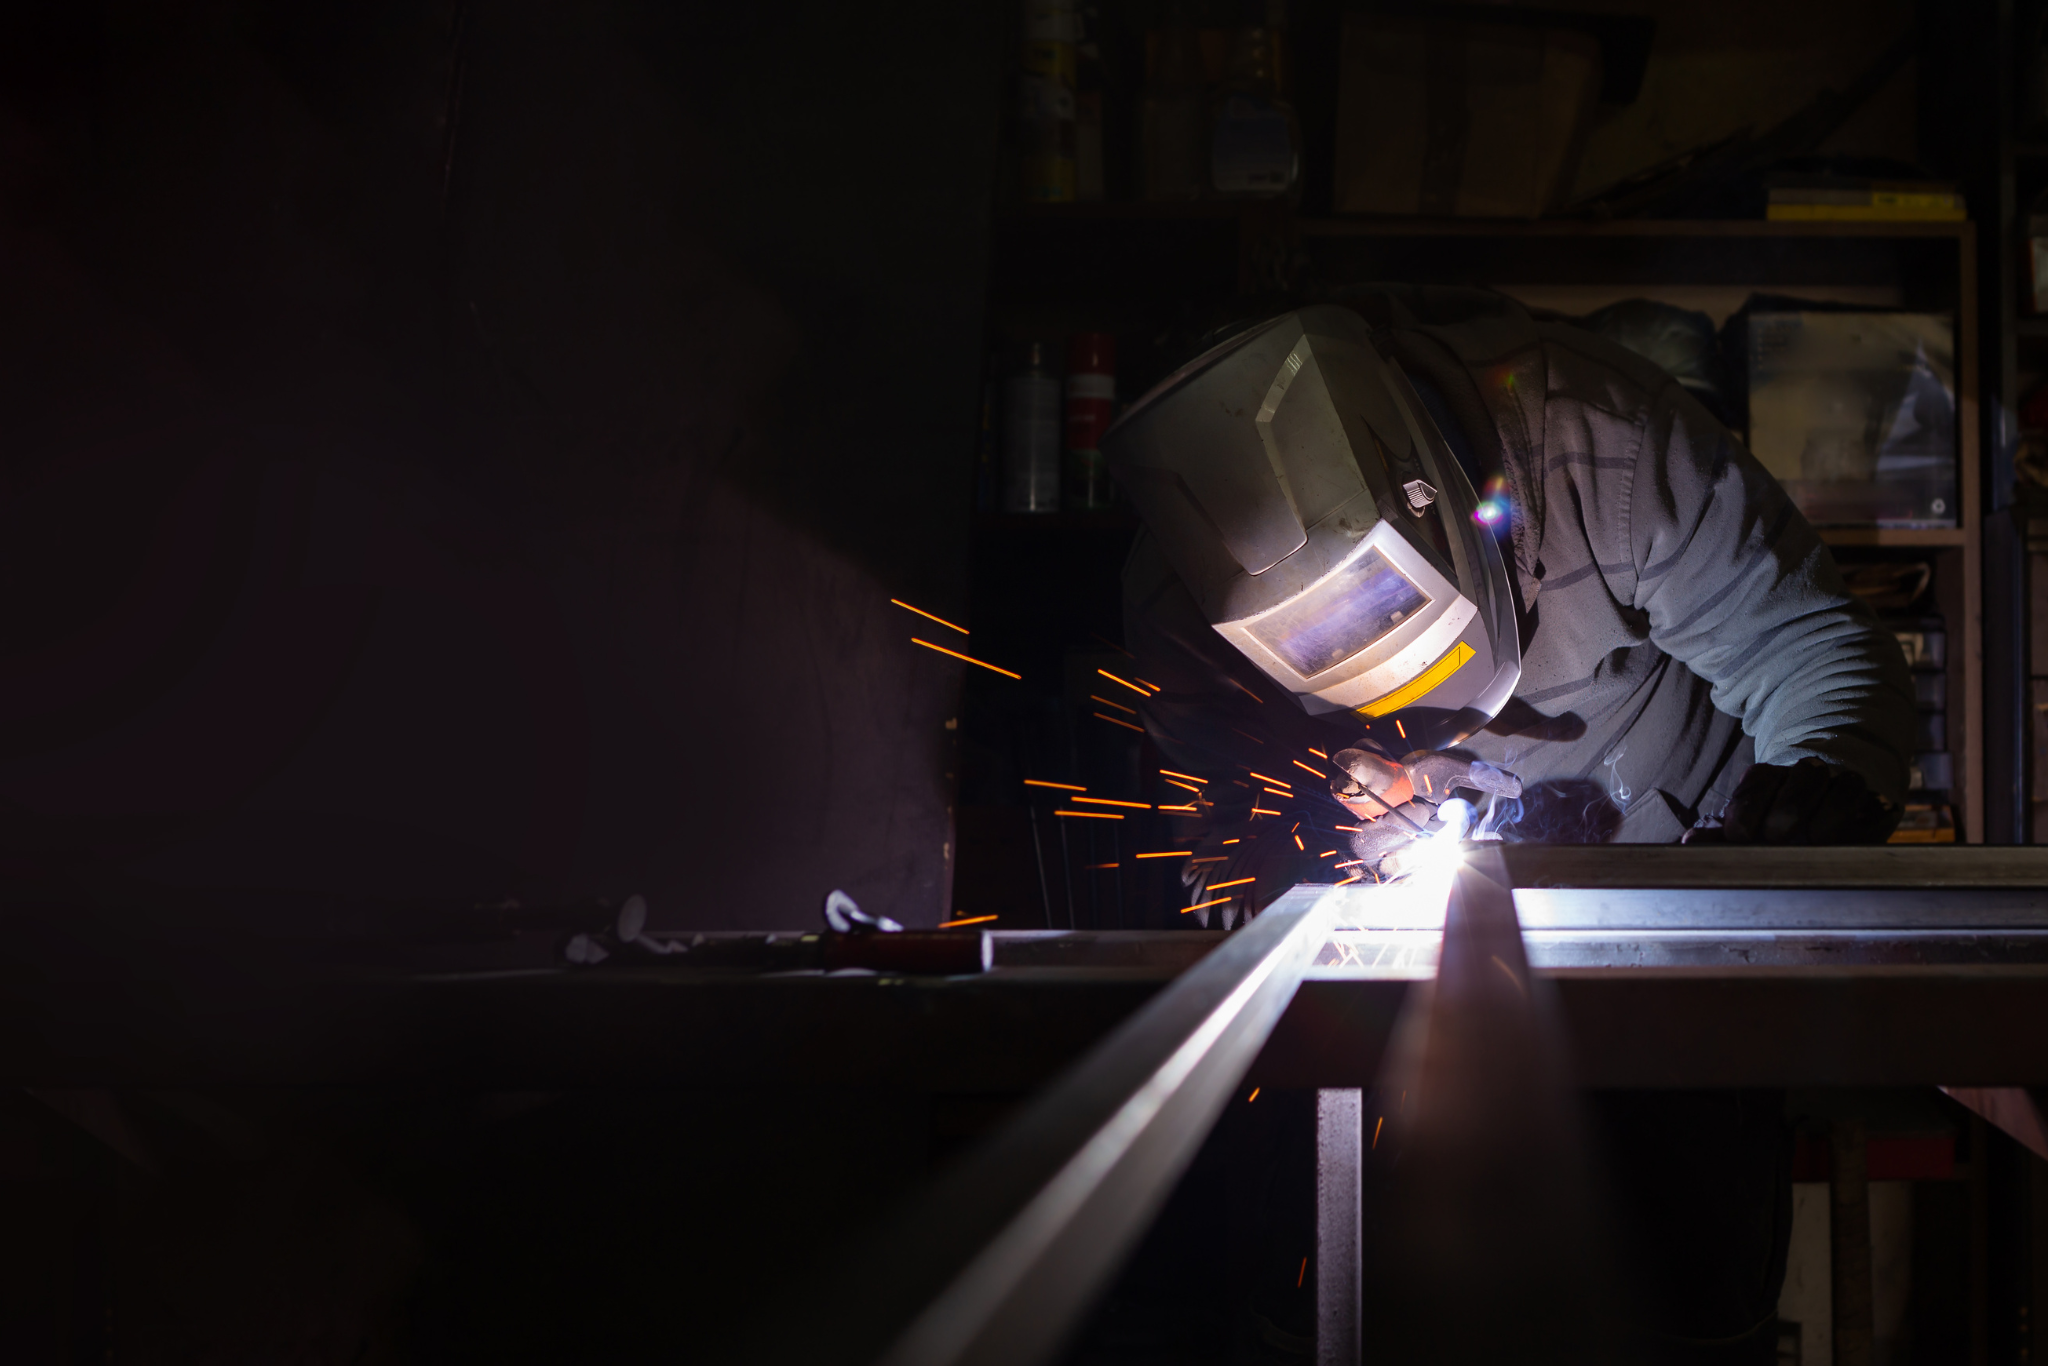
1808 802
1737 585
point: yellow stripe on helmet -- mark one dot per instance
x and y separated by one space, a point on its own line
1422 683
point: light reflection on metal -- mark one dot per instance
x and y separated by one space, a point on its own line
999 1260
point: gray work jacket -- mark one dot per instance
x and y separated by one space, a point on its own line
1680 618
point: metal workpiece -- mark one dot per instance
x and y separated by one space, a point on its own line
1486 1246
1775 867
997 1262
1412 953
1340 1227
1716 906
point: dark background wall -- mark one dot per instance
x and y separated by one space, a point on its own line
468 450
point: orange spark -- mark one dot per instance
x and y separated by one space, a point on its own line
928 616
1188 807
1347 829
1353 864
1165 853
970 920
1258 810
1116 705
1189 776
1247 692
1253 1096
1319 754
1204 905
1376 1128
1401 729
1219 886
1277 782
1426 787
1306 769
1301 1273
1299 845
1348 881
1277 791
1064 787
1328 853
1114 722
1111 801
969 658
1125 681
1230 841
1102 865
1097 815
1215 858
1187 786
1153 686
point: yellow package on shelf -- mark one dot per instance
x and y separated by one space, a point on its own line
1864 213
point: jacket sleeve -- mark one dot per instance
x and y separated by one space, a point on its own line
1737 586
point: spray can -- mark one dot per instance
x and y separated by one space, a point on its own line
1031 434
1091 407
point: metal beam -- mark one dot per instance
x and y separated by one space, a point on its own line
998 1261
1340 1228
1487 1244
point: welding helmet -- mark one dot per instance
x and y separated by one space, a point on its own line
1297 485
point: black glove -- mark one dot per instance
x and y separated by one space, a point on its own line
1809 802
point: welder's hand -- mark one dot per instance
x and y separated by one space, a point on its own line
1809 802
1376 839
1369 784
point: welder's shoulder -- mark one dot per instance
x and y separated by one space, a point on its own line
1591 372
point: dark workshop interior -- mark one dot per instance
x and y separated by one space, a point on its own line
830 683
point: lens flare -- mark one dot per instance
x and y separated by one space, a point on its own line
1492 510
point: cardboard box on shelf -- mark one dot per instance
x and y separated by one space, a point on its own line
1471 119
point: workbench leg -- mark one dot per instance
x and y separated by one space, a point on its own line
1849 1229
1340 1159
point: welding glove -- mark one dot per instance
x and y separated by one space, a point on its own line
1398 801
1810 802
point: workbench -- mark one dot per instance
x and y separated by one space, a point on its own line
1527 974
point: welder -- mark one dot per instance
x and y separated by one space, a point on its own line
1420 543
